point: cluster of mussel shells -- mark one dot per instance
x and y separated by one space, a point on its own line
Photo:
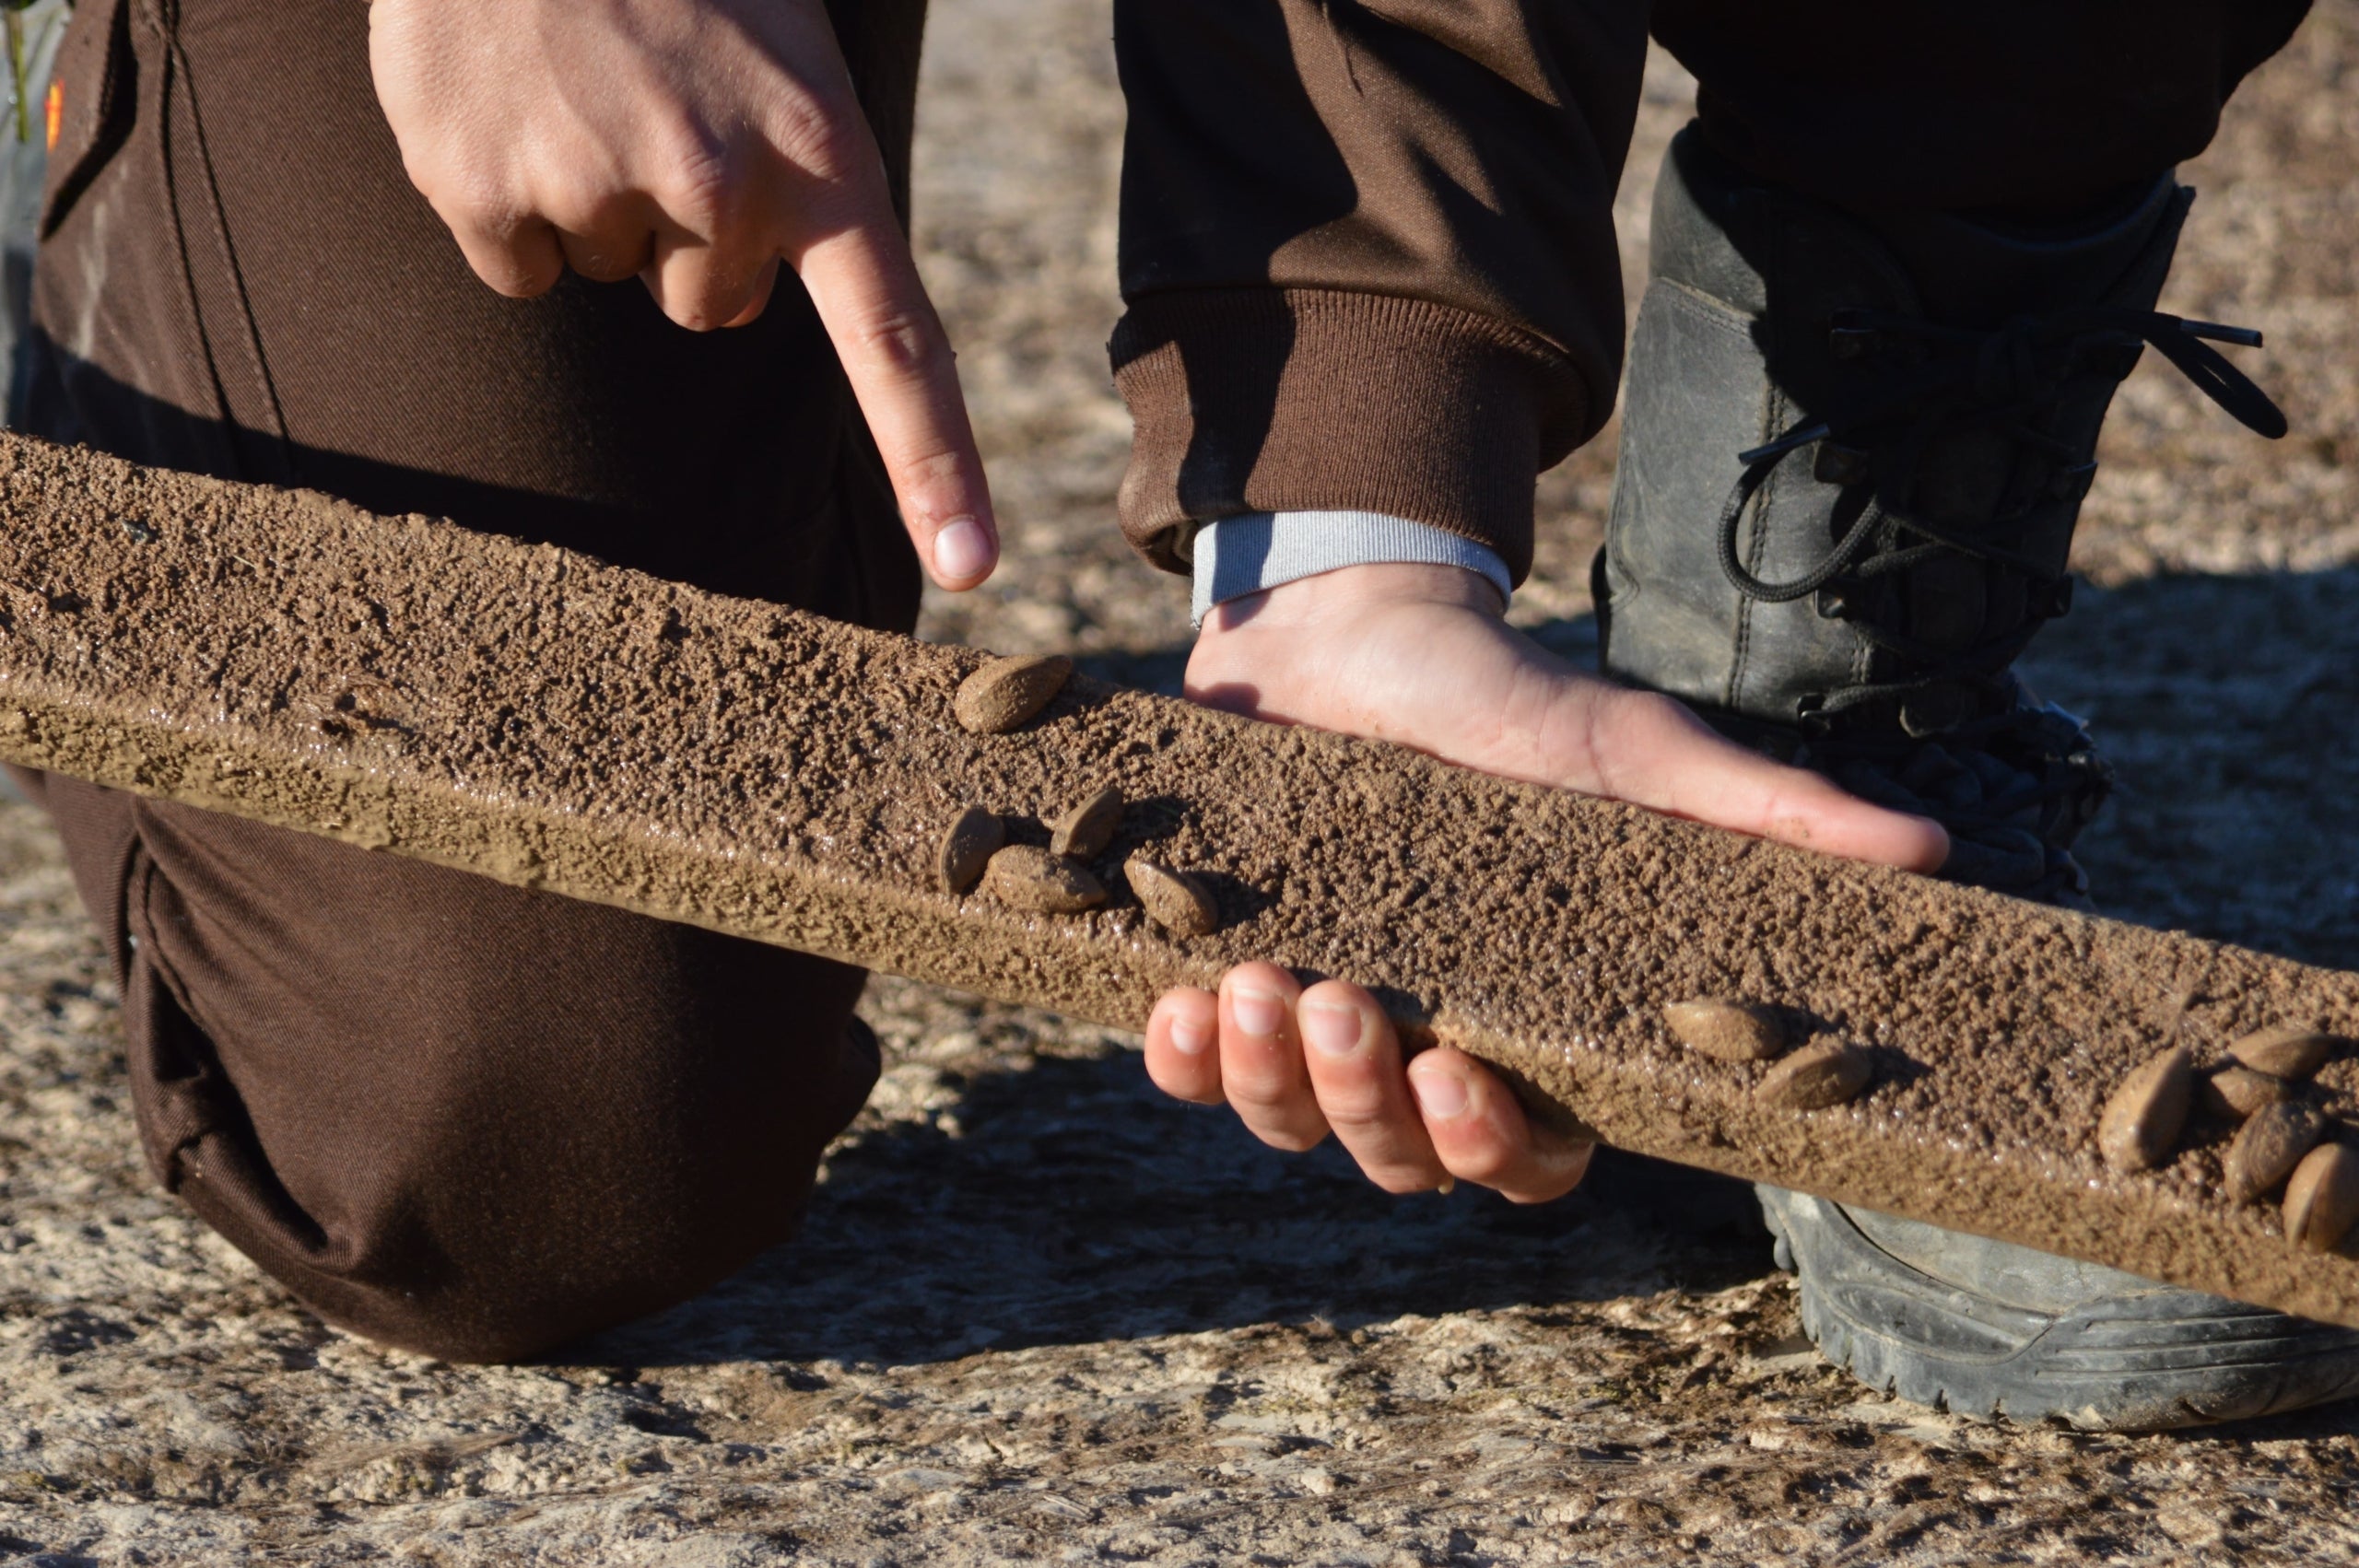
2283 1136
974 850
1825 1073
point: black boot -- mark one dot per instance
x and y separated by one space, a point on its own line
1892 420
1854 449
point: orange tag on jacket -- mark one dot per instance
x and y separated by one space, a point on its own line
54 111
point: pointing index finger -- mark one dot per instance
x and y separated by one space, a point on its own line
865 286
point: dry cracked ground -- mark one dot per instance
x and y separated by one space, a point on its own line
1039 1313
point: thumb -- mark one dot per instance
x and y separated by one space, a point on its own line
1652 752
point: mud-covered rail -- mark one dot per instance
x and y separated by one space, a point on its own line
539 718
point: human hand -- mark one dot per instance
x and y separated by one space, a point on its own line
1419 655
697 145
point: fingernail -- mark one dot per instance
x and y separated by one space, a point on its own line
1442 1093
1332 1028
1259 1013
1447 1185
1189 1037
961 550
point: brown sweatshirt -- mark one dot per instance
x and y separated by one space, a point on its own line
1366 256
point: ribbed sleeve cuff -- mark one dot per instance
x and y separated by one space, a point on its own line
1265 399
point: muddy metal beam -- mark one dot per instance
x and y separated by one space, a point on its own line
536 717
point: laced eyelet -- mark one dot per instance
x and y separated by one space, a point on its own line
1837 464
1850 343
1935 711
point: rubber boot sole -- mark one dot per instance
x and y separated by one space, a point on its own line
2031 1337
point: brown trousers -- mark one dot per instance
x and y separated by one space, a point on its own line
477 1122
458 1117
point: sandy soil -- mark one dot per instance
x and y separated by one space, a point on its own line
1040 1313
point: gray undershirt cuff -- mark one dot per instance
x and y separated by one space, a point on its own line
1245 553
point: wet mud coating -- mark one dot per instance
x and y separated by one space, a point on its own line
540 717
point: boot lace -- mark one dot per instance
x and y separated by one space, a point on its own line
2016 783
2000 379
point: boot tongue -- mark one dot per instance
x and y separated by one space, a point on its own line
1982 272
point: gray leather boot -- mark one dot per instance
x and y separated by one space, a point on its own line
1853 451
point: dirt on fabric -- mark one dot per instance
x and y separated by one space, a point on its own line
1040 1313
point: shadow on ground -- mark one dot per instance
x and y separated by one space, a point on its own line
1068 1202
